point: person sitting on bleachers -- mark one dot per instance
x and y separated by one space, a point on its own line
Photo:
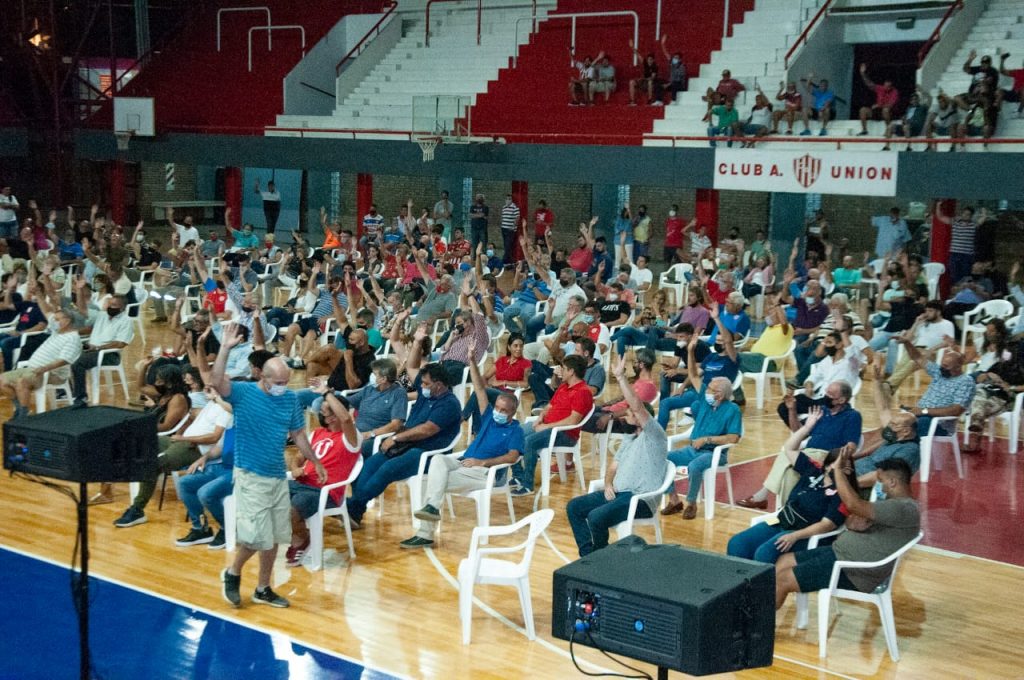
336 444
813 506
722 362
638 468
60 349
499 441
874 531
433 423
840 425
569 405
716 421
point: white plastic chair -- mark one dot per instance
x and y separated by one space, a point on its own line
881 597
315 523
134 311
1001 309
626 527
415 483
707 490
482 497
928 441
1013 418
933 271
481 568
230 523
560 453
680 286
763 379
99 369
47 387
16 354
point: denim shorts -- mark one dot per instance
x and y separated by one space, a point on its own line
306 499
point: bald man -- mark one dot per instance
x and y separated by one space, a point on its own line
266 414
950 391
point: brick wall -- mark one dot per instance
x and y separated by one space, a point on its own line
748 211
850 218
571 204
152 186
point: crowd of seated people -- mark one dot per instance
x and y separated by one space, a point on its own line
400 342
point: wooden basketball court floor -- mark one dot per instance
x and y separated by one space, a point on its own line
395 611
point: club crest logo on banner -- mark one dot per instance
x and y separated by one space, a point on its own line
857 173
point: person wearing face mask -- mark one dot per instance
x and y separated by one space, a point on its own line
896 437
178 451
543 222
842 362
185 232
717 421
949 393
113 329
336 444
641 234
563 290
929 332
546 346
469 328
60 349
674 230
380 405
582 256
673 369
479 214
434 423
638 468
266 414
722 362
813 507
499 441
811 312
773 342
676 70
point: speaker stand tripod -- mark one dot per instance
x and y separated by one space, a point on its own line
81 593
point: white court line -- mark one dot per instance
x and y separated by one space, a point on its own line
188 605
942 552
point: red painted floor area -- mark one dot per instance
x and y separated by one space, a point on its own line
981 515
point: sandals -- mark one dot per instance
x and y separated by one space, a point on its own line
100 498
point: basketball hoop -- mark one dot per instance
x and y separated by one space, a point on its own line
123 137
428 146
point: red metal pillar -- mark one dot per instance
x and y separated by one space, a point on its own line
521 197
942 237
707 212
364 199
233 198
116 190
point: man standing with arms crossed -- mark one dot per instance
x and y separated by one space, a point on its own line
266 413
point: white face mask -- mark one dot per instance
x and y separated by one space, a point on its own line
276 390
710 398
681 343
373 379
612 297
810 301
671 213
140 238
569 348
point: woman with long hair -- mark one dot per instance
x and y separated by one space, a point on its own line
510 372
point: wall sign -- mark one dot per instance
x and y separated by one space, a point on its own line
860 173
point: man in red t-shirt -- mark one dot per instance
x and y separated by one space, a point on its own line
336 444
543 221
571 404
674 227
582 256
1016 91
886 98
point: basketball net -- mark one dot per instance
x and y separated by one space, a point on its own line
428 146
123 137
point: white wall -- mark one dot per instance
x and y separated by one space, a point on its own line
827 56
882 28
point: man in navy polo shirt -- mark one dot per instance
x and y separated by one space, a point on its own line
500 441
434 423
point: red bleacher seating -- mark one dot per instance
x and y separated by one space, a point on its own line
198 89
529 103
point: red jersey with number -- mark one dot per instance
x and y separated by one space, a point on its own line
332 450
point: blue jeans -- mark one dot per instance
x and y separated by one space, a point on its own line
307 398
758 543
535 443
667 406
9 230
279 317
592 516
716 131
803 354
629 335
535 326
539 375
880 340
206 488
516 315
9 343
378 473
696 462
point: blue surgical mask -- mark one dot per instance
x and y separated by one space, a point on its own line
277 390
425 391
490 252
710 398
569 348
373 379
500 418
810 301
588 318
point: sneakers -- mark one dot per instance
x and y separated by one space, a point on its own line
657 103
130 518
268 596
428 513
196 537
416 542
862 133
805 133
294 554
520 491
229 588
218 541
823 133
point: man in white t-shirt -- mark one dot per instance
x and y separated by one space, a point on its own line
845 355
271 204
640 274
8 214
930 332
112 329
186 232
55 355
178 451
443 211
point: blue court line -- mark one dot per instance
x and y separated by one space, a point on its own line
134 634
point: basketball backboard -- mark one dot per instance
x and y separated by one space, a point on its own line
134 115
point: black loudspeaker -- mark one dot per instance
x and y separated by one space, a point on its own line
94 444
687 610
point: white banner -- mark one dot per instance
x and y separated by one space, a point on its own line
820 172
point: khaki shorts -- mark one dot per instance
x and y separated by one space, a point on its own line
262 509
12 377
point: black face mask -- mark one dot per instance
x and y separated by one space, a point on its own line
247 309
831 351
113 311
828 402
889 435
945 373
460 329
